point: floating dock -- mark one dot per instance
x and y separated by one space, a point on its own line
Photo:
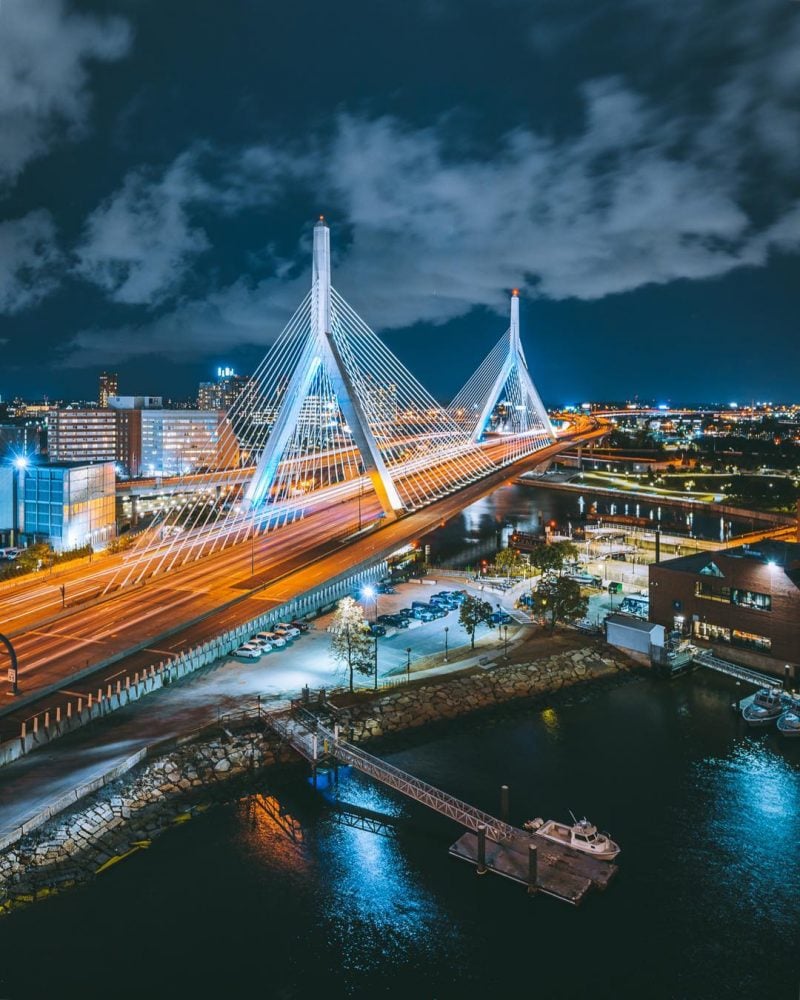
557 871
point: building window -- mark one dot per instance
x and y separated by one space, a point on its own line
713 633
706 590
747 640
751 599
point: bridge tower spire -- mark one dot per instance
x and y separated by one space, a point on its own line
503 379
321 351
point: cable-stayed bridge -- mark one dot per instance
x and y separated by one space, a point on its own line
334 457
331 413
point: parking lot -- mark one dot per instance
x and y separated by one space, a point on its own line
307 659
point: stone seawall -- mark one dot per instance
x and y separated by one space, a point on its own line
363 719
126 815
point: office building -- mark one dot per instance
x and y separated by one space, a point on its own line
82 435
108 385
66 504
744 603
177 442
222 394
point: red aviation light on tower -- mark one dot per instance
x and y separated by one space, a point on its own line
515 292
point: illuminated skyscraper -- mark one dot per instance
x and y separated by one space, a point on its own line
108 386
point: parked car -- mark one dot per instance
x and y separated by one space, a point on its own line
284 633
423 615
500 618
385 588
397 621
265 644
291 630
272 637
248 651
375 628
303 626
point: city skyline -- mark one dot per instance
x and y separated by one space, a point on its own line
157 222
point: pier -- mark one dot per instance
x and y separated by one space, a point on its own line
489 843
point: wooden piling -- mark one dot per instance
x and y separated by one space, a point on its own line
481 850
504 803
533 864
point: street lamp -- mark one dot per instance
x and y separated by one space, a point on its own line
505 636
408 664
371 594
446 630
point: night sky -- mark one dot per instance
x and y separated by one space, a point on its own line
632 166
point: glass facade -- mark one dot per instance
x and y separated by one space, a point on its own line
69 505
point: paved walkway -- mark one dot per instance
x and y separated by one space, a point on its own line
30 784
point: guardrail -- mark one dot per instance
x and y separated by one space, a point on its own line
65 717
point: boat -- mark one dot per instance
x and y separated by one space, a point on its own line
789 722
766 706
580 836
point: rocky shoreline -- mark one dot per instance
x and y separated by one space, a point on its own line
126 815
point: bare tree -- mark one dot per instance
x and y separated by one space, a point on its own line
351 643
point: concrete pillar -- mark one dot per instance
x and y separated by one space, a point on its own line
80 704
127 682
35 724
69 709
58 714
99 695
90 701
119 687
46 720
23 731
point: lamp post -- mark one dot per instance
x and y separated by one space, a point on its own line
505 637
446 630
408 664
372 595
253 551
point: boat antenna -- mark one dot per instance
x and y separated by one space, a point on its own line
574 817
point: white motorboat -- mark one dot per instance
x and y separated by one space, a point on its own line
789 722
766 706
581 836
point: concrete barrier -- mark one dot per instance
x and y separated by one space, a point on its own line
40 730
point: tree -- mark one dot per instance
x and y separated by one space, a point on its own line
561 598
474 612
34 557
351 643
509 562
551 557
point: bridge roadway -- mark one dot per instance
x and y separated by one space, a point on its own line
198 601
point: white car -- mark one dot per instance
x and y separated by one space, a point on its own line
271 637
282 632
290 630
249 650
263 644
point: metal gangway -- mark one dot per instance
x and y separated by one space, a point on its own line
306 734
707 659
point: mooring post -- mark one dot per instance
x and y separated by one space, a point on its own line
504 803
481 850
532 869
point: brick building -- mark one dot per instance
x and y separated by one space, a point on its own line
743 602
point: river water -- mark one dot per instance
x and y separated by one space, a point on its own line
706 902
483 528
